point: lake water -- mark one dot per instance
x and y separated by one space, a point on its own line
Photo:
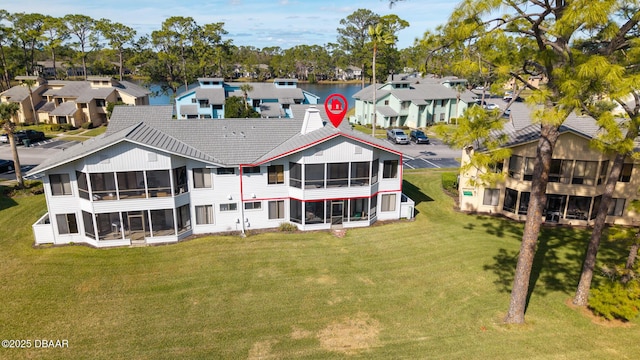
322 90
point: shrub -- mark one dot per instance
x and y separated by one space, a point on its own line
66 127
55 127
450 182
87 125
614 300
287 227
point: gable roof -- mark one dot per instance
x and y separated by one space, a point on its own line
223 142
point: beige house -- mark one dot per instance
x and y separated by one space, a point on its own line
576 181
71 102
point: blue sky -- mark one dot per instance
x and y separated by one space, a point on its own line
283 23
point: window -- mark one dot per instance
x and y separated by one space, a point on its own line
254 205
603 171
578 207
313 176
510 198
358 209
162 222
100 102
131 184
295 175
103 186
67 224
229 207
375 165
584 172
184 218
204 214
528 168
251 170
373 206
491 197
523 206
87 220
560 171
60 184
388 202
596 207
201 178
83 186
497 167
337 174
180 180
390 169
109 226
616 207
314 212
359 174
295 209
276 209
276 174
158 183
515 167
204 103
225 171
625 174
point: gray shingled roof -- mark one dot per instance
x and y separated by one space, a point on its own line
220 142
214 95
189 110
65 109
89 94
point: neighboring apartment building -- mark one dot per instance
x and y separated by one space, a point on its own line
150 179
71 102
409 100
576 180
270 100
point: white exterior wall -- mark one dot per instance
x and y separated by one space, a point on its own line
225 189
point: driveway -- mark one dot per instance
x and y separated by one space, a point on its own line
429 156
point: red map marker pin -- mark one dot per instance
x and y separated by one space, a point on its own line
336 107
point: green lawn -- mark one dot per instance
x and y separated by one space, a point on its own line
434 288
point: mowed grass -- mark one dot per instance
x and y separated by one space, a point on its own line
433 288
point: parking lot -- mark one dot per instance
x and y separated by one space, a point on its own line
428 156
31 156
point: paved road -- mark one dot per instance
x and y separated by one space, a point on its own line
33 155
434 155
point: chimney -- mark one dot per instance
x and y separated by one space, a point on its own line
312 121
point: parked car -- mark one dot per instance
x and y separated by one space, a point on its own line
491 106
5 165
31 135
398 136
419 137
22 135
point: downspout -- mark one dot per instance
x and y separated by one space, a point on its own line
241 205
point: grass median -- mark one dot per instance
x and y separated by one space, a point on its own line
436 288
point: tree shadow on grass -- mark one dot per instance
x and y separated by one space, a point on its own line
557 262
6 202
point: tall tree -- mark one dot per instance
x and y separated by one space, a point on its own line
612 72
6 34
353 35
181 31
55 33
550 28
30 83
245 88
378 37
8 113
28 32
83 28
118 35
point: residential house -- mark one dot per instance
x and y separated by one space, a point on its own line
270 100
412 101
577 176
150 179
72 102
349 73
46 69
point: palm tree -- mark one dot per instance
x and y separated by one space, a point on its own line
245 88
8 112
378 36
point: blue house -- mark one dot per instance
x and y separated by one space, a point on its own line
270 100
